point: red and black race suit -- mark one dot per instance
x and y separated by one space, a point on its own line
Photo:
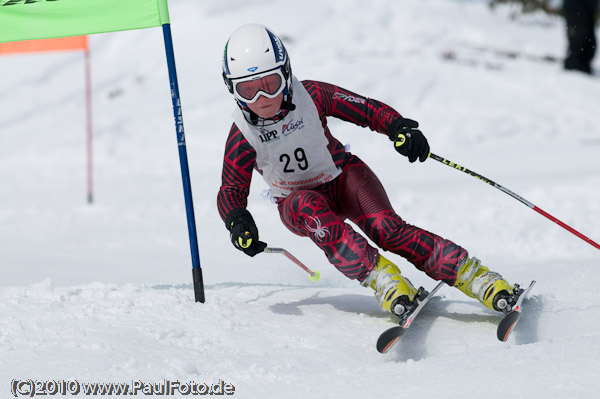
356 194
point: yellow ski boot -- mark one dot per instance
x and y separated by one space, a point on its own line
488 287
394 292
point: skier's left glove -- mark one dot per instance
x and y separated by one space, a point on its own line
243 232
408 140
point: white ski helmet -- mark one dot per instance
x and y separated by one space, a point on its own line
255 62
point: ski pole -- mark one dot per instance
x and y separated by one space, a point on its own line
515 196
314 275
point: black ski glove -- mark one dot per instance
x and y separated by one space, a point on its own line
243 232
408 140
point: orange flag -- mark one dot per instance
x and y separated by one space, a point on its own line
34 46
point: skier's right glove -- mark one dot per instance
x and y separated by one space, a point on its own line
243 232
409 140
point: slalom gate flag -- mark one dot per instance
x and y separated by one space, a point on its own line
36 46
46 19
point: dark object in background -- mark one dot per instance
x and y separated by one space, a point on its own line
580 16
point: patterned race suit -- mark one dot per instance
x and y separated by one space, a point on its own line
356 194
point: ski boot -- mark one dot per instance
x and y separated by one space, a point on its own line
395 293
488 287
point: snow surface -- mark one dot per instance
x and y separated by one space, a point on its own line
102 293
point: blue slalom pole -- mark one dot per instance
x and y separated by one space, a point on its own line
185 171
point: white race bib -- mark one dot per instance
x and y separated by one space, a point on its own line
291 153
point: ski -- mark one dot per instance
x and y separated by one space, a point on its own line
510 320
389 337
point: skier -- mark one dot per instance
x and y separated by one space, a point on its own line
280 129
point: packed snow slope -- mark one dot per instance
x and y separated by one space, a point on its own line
102 292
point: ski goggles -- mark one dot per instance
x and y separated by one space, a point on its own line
269 84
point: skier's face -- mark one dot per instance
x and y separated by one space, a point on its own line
266 107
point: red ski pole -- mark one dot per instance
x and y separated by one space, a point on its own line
515 196
314 275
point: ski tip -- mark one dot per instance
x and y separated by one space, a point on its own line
389 338
507 324
385 347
